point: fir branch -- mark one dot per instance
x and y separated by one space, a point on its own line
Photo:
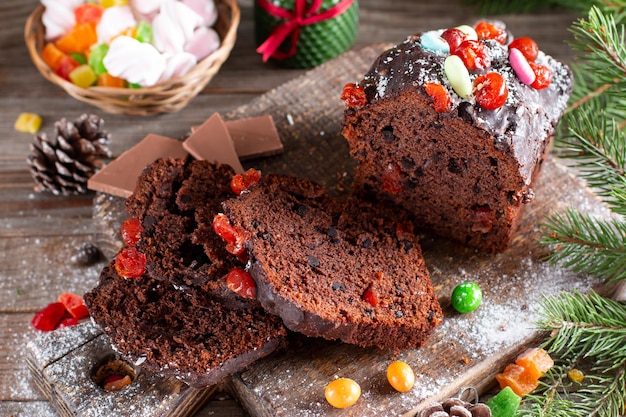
586 244
586 328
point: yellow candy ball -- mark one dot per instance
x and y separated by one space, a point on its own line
400 376
342 392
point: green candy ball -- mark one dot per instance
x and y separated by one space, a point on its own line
466 297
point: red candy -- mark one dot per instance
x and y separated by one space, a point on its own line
67 322
74 305
486 30
49 317
243 182
543 76
527 47
130 263
474 55
241 282
454 37
490 91
354 95
65 65
131 231
440 97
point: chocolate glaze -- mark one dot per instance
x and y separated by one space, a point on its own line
526 111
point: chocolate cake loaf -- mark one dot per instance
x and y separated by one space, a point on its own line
454 126
346 270
176 200
159 328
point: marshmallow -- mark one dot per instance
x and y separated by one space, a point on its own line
58 17
177 65
205 8
114 21
204 42
174 26
138 62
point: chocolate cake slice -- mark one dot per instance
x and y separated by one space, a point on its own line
450 132
163 330
346 270
176 200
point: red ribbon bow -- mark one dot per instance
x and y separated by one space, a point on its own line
294 20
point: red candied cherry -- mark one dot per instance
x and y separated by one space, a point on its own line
74 304
49 317
392 179
490 90
353 95
527 47
66 65
241 282
370 296
67 322
130 263
131 231
486 30
475 55
243 182
234 236
543 76
440 97
454 37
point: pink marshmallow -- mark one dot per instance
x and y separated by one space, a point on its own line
146 7
205 8
138 62
522 68
114 21
177 65
204 42
58 17
174 26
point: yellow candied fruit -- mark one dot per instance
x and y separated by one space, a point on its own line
576 375
111 3
28 123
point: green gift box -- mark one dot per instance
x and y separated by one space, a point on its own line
304 33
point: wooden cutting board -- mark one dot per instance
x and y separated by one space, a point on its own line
467 350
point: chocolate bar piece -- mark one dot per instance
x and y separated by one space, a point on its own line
119 176
212 142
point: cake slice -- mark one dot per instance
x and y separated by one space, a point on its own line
454 126
163 330
346 270
175 200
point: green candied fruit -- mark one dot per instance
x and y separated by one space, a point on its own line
144 32
504 404
78 57
96 58
466 297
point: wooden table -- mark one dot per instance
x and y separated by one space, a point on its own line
39 232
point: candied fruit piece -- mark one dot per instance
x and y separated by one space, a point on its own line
74 305
392 179
243 182
79 39
88 13
108 80
116 382
143 32
66 65
486 30
441 99
518 379
504 404
52 55
543 76
241 282
131 231
576 375
27 123
536 362
83 76
234 236
96 58
49 317
454 37
67 322
527 47
371 296
490 90
353 95
130 263
475 55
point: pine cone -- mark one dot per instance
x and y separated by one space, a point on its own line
455 407
64 163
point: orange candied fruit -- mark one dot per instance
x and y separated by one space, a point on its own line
518 379
108 80
440 97
536 361
486 30
353 95
52 56
79 39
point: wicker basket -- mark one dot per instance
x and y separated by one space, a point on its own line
165 97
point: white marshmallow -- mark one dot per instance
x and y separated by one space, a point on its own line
114 21
138 62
